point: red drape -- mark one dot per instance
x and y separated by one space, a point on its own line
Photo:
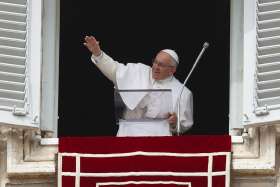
195 161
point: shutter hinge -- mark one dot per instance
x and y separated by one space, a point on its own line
20 112
35 119
246 118
262 111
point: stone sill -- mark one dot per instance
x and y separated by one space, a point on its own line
49 141
237 140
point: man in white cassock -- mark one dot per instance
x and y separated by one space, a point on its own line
140 76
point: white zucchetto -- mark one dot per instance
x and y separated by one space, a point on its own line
173 54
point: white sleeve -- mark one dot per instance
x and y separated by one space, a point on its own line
186 120
186 112
106 65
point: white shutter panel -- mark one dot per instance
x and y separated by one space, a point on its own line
268 54
12 54
266 97
18 60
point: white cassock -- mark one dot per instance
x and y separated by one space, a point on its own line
139 76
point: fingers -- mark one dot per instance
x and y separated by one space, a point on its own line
93 45
91 40
172 119
171 113
88 46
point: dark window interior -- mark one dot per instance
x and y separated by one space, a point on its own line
134 31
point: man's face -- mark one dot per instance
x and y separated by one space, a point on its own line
163 66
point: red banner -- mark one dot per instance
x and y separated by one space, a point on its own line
189 161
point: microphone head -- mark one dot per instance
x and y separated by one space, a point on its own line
205 45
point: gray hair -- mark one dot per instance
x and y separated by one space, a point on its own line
174 62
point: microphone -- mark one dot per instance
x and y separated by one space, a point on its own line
205 46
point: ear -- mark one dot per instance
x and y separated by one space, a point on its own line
173 70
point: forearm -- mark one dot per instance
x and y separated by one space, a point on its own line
186 114
186 120
106 65
185 125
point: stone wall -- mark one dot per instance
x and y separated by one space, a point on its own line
26 160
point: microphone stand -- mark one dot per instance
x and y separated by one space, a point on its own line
205 46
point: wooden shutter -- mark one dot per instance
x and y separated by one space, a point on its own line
268 56
13 31
20 62
261 64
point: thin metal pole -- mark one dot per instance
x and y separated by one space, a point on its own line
205 46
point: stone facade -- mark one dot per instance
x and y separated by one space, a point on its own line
256 160
26 160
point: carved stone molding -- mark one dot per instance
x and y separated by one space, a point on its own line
250 146
257 155
34 150
26 156
4 132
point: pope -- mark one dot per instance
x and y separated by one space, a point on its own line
140 76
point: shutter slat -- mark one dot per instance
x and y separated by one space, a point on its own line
265 33
13 77
268 24
13 25
269 84
268 93
11 42
11 68
16 86
267 50
268 67
12 102
11 94
269 58
267 7
12 59
271 15
20 2
267 1
268 41
9 7
269 101
13 51
7 33
17 17
269 76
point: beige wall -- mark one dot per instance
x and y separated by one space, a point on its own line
26 162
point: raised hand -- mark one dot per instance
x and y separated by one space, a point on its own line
93 45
